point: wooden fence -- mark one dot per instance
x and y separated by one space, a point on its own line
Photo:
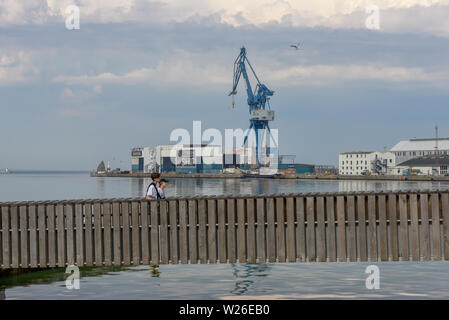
386 226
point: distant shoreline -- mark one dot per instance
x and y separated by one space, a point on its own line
288 177
48 171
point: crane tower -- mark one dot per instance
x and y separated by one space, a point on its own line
260 112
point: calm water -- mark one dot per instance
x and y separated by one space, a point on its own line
402 280
399 280
59 186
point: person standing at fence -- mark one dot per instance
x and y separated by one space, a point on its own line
162 186
152 190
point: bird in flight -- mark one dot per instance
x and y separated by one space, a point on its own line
296 46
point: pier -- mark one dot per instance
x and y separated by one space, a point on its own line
319 227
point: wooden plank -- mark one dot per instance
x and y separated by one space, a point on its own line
320 230
60 231
403 227
126 233
393 222
165 258
271 231
436 236
445 212
15 236
331 234
251 215
414 227
261 247
310 231
154 234
202 230
372 228
174 254
241 231
425 228
107 233
193 243
79 217
232 248
212 230
117 232
362 238
352 237
183 236
383 240
145 232
88 233
135 233
341 229
33 236
6 237
51 226
291 232
98 234
23 222
41 219
280 234
70 235
300 230
221 231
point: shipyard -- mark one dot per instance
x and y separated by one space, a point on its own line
202 155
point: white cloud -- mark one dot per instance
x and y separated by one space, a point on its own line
16 68
396 15
331 74
187 73
170 72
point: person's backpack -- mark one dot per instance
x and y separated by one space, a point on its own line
158 196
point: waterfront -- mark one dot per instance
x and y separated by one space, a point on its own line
401 280
61 186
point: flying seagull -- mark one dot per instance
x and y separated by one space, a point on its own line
296 46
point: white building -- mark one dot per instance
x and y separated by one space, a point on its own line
177 157
407 149
365 162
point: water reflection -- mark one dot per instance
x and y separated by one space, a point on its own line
246 274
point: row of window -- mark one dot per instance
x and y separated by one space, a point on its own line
420 153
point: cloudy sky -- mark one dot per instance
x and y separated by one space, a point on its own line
137 69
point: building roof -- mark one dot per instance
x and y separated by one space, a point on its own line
357 152
426 161
421 145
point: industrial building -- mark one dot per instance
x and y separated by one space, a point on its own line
190 159
408 149
365 162
207 159
425 165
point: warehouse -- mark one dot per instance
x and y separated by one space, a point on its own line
424 165
190 159
408 149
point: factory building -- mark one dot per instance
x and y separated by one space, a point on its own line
365 162
408 149
425 165
190 159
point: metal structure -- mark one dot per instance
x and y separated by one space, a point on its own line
259 105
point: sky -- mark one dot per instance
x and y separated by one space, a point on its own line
136 70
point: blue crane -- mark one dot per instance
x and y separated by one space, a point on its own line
259 105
